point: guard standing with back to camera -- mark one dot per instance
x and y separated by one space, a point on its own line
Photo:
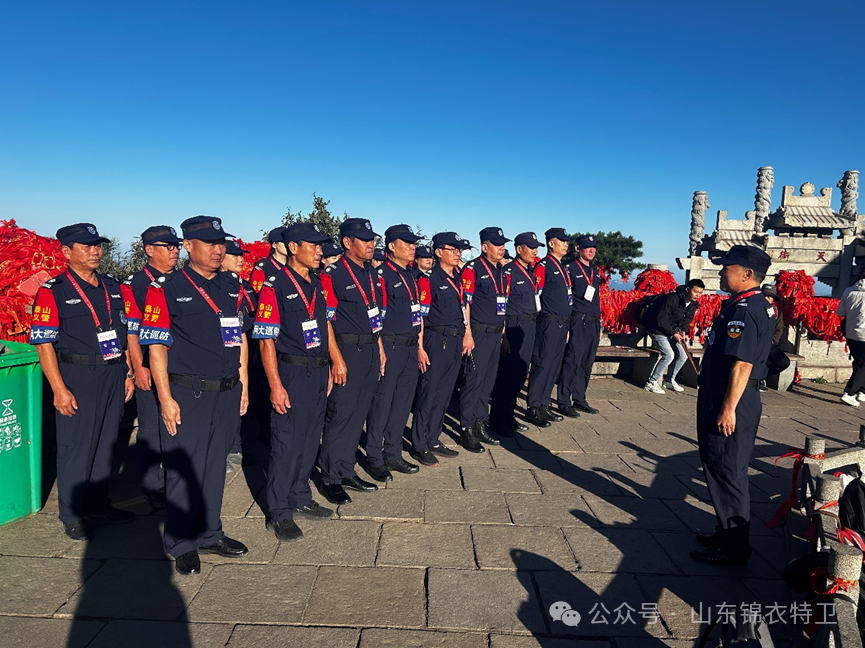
403 324
354 299
162 248
728 402
585 331
554 287
485 286
79 330
296 348
524 303
445 341
198 362
272 262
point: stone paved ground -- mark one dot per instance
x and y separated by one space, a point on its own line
598 512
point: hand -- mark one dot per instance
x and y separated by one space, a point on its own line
727 421
468 342
329 382
338 372
506 347
244 400
142 378
383 361
171 415
422 360
279 399
129 389
65 402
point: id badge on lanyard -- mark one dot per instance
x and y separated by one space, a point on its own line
590 293
311 334
570 297
537 303
501 304
109 345
230 331
374 319
415 314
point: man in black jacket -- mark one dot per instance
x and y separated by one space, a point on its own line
668 320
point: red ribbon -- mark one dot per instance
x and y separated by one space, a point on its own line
821 574
799 456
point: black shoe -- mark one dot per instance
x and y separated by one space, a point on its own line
485 435
225 547
235 458
357 484
111 515
535 417
570 411
470 439
443 451
707 539
335 494
402 466
314 511
285 530
188 563
717 555
588 409
550 415
75 531
379 473
425 457
156 499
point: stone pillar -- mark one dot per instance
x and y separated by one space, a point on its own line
763 198
849 186
699 205
827 489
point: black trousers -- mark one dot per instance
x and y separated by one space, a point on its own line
513 369
391 404
294 439
195 466
577 365
857 379
550 341
347 409
85 440
479 378
725 462
148 445
434 389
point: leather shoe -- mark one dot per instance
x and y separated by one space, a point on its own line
485 435
535 417
707 539
379 473
75 531
443 451
402 466
225 547
550 414
588 409
355 483
717 555
156 499
111 515
335 494
425 457
286 530
188 563
470 439
314 511
570 411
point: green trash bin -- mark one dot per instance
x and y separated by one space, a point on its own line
20 431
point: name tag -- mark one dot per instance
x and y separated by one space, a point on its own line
415 314
374 319
590 293
538 303
570 297
109 345
501 304
230 331
311 334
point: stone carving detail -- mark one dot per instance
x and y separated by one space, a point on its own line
698 221
849 186
763 198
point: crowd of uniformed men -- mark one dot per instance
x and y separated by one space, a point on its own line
333 345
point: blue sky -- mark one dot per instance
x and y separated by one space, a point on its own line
455 116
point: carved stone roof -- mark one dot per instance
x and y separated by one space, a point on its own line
807 217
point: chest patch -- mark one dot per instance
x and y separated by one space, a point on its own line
183 300
735 328
73 301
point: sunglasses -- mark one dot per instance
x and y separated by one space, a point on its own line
170 246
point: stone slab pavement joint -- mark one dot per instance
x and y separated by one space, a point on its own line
40 586
255 636
147 634
17 631
382 638
409 544
495 545
331 542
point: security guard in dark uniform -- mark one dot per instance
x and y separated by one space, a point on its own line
330 253
403 323
554 286
378 257
162 248
296 348
485 286
272 262
79 330
445 341
524 303
193 321
585 331
728 401
355 300
423 260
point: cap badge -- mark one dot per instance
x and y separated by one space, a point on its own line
216 225
500 233
367 225
91 229
172 230
315 227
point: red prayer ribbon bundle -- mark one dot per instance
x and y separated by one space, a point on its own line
799 456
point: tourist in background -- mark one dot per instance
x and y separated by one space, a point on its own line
851 309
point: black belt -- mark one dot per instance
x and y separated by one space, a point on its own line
453 331
555 318
351 338
404 340
752 383
205 385
302 361
523 318
82 359
588 318
486 328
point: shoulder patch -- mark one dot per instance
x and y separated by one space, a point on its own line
234 274
735 328
260 264
329 268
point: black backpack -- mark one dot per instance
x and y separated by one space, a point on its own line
647 308
851 506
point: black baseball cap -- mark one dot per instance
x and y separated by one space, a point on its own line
746 256
493 235
359 228
80 233
586 241
769 290
423 252
204 228
160 234
379 255
303 232
233 248
275 235
329 249
529 240
450 238
400 233
557 233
